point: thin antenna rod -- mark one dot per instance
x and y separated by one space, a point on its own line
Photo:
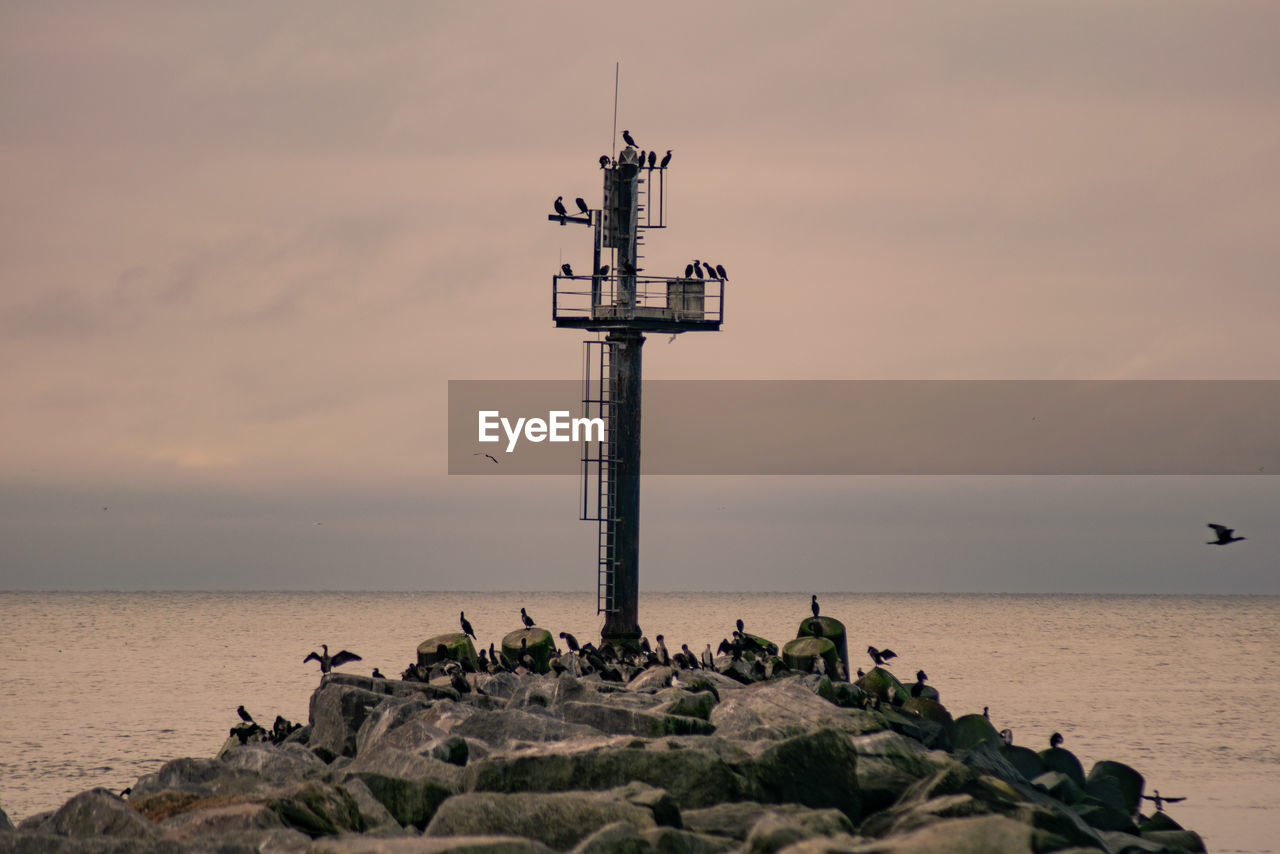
613 141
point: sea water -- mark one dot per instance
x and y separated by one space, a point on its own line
100 688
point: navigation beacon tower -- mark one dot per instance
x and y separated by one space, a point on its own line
614 298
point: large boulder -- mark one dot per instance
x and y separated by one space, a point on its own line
559 820
969 731
815 770
420 845
782 707
1064 762
337 713
244 817
409 786
889 763
274 763
196 777
317 809
1024 759
775 831
984 834
502 729
1125 781
99 812
883 685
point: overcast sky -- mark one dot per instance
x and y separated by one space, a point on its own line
244 247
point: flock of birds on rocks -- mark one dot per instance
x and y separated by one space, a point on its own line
621 663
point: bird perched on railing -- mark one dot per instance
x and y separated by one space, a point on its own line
566 269
665 160
582 206
327 661
653 158
720 273
560 208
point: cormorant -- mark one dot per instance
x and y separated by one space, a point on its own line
642 158
918 688
377 674
484 661
559 206
570 641
665 160
604 271
708 661
880 656
662 652
653 158
582 206
328 662
688 271
604 161
1007 735
860 673
244 716
528 621
986 712
721 273
1160 800
739 625
466 624
566 269
693 659
711 273
697 268
1055 739
460 683
814 605
725 647
644 645
1224 537
626 137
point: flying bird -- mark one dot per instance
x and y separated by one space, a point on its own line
880 656
466 625
327 661
528 621
653 158
1160 800
566 269
582 206
559 205
1224 537
665 160
626 137
721 273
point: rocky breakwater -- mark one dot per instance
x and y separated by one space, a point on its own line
669 761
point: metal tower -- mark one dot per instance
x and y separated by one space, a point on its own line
616 299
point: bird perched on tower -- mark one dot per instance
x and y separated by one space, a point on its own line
626 137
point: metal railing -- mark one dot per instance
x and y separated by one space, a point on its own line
672 300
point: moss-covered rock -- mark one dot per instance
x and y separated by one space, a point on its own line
884 685
930 710
800 654
535 642
829 628
1024 759
968 731
1127 782
1064 762
458 644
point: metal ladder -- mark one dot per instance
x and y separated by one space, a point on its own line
598 502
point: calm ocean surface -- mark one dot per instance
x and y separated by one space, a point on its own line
99 688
